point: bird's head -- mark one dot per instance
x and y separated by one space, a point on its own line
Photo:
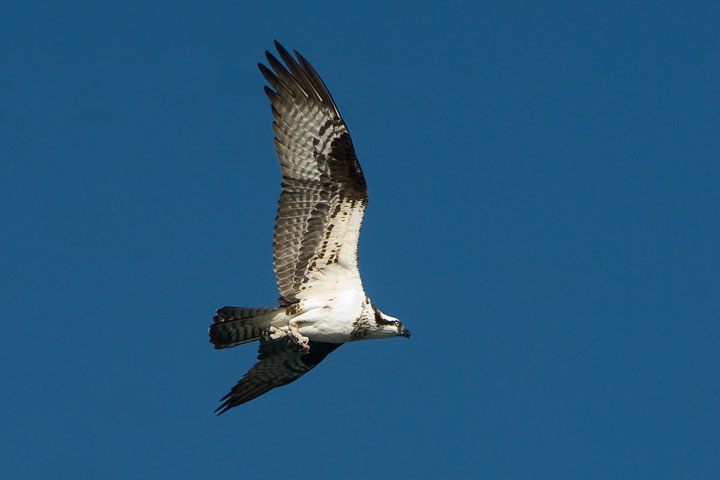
387 326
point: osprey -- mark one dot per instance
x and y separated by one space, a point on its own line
322 302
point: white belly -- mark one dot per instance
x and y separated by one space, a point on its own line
328 331
333 320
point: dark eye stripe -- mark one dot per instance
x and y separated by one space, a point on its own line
381 321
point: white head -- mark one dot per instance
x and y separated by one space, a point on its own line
385 326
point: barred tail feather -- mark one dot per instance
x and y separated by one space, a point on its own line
234 325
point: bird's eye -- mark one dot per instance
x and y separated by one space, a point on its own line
397 324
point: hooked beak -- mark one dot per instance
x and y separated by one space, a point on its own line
405 332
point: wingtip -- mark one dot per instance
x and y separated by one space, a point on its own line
299 56
224 405
270 57
267 73
279 46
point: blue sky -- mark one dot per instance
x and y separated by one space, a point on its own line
544 191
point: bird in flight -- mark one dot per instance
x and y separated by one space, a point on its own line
322 302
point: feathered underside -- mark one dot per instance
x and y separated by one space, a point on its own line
324 193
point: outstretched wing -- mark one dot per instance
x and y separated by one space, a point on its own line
279 365
324 193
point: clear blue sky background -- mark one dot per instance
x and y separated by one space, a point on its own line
544 197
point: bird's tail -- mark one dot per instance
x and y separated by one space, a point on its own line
235 325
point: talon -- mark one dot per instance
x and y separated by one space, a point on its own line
272 333
297 338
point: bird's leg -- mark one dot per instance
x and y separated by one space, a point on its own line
273 333
296 337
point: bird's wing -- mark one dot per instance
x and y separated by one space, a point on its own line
324 193
279 364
